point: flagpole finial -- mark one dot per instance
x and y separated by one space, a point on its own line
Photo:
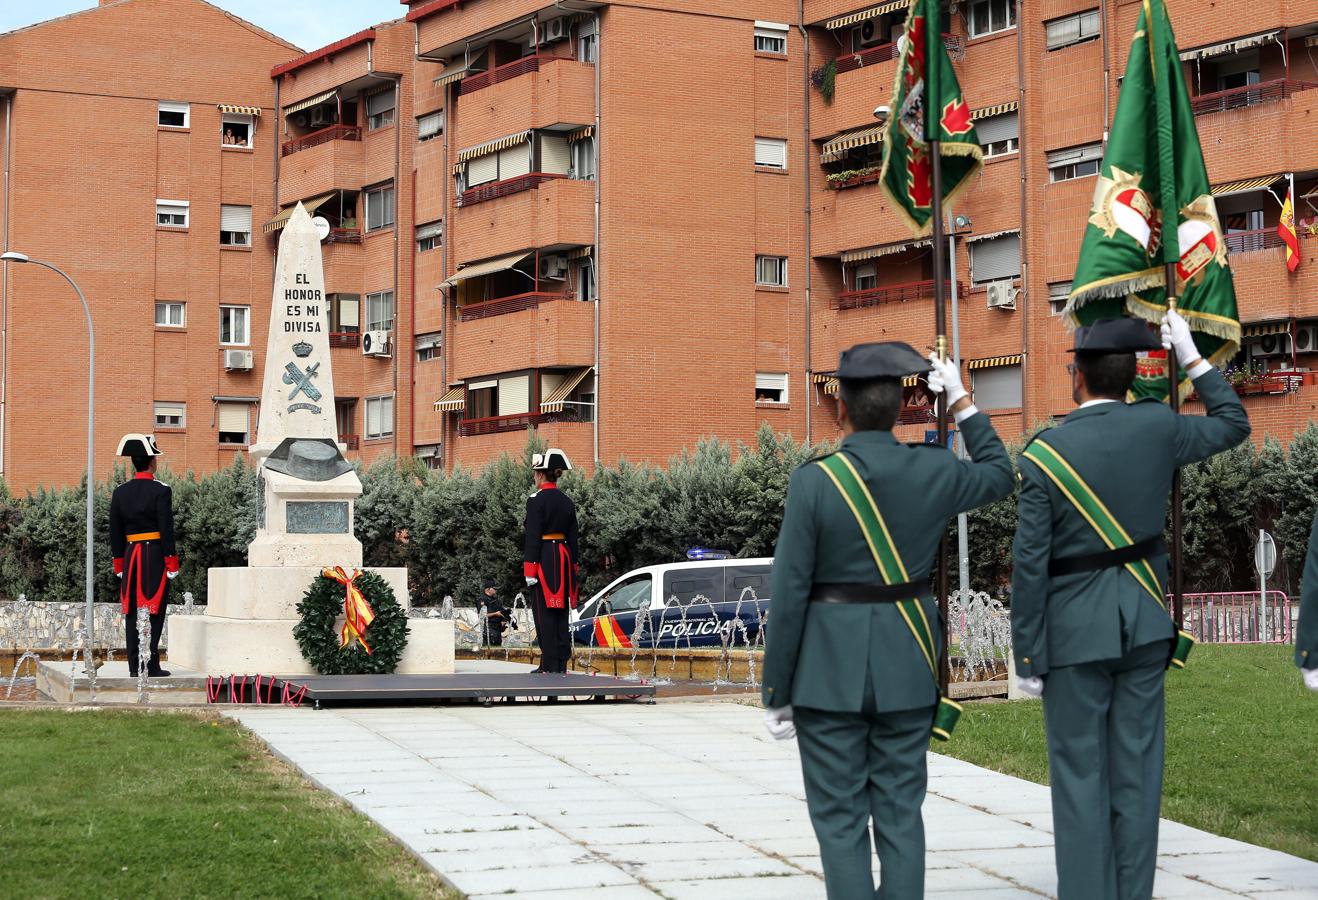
940 345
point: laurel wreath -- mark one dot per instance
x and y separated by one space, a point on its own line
318 637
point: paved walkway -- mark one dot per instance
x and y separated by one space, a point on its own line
685 800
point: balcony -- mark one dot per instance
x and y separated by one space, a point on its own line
344 340
532 92
559 212
548 331
499 424
493 191
853 179
1247 96
506 72
1249 241
860 78
335 163
344 236
504 305
1281 381
897 293
324 135
849 62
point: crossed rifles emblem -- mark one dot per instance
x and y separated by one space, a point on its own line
301 380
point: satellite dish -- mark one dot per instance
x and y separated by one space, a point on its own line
322 226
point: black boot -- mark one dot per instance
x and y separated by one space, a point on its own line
153 669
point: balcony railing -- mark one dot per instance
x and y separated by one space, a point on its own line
325 135
1282 381
505 72
351 441
344 340
895 293
344 236
848 62
504 305
496 189
499 424
1249 95
1246 241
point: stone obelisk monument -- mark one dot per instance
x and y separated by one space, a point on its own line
307 491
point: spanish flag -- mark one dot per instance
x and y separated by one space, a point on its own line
1286 231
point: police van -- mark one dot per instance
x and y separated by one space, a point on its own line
703 603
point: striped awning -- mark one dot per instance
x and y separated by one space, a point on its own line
855 256
454 400
832 384
581 134
1264 328
853 18
1248 184
837 148
309 102
555 401
991 235
488 267
240 110
1226 47
281 220
985 112
495 146
453 72
994 362
579 252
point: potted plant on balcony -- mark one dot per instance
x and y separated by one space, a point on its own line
1245 379
852 177
824 79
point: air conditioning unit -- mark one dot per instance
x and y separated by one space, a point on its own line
1269 345
300 120
238 360
318 117
553 267
376 343
1306 339
555 30
1001 295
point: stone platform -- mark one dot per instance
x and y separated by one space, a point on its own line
115 685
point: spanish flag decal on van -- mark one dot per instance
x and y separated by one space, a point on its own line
608 633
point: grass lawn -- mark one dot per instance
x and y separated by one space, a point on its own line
1242 740
155 804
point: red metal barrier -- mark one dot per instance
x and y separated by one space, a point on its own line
1249 95
914 290
505 305
504 188
325 135
1237 618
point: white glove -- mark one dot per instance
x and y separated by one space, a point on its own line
1030 687
119 575
778 722
1176 335
530 582
171 575
946 377
1311 679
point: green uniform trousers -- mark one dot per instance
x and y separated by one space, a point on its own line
1105 744
858 766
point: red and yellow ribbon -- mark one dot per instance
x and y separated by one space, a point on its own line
357 613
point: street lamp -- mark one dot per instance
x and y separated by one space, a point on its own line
16 257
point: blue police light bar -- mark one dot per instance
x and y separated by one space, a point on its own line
698 553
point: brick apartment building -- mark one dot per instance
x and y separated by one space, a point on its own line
626 226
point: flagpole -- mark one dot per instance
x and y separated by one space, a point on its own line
1174 383
940 330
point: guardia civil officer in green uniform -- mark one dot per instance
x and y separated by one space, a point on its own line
853 636
1306 635
1090 626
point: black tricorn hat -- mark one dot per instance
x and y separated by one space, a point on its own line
890 359
139 445
1123 335
551 459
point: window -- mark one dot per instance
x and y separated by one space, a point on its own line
380 311
555 154
771 388
344 313
380 208
997 388
232 422
771 271
429 236
770 37
581 402
172 115
583 159
428 346
380 110
510 162
172 213
236 226
771 153
1070 30
482 399
1058 292
236 131
999 135
867 277
995 258
345 417
430 455
170 314
688 586
235 325
990 16
583 278
379 417
1075 162
628 596
587 42
431 125
171 415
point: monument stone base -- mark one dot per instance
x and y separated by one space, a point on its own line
250 615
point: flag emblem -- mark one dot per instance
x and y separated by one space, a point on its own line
1201 240
1120 204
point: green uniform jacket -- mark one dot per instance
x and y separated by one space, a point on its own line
818 654
1306 635
1127 453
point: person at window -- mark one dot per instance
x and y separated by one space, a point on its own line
228 138
496 615
142 547
349 220
240 140
550 560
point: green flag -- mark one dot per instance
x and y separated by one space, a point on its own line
925 80
1153 173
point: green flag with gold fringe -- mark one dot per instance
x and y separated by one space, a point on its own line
1153 174
926 82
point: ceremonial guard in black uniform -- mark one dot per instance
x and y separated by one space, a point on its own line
550 560
142 543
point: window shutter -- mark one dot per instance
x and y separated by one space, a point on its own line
172 107
430 230
380 102
514 161
1074 155
232 417
429 125
998 128
996 258
765 382
373 417
515 395
386 415
349 311
555 158
998 388
170 409
771 152
482 169
236 218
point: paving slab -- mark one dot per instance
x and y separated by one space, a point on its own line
685 800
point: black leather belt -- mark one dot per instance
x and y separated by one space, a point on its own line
838 592
1107 559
